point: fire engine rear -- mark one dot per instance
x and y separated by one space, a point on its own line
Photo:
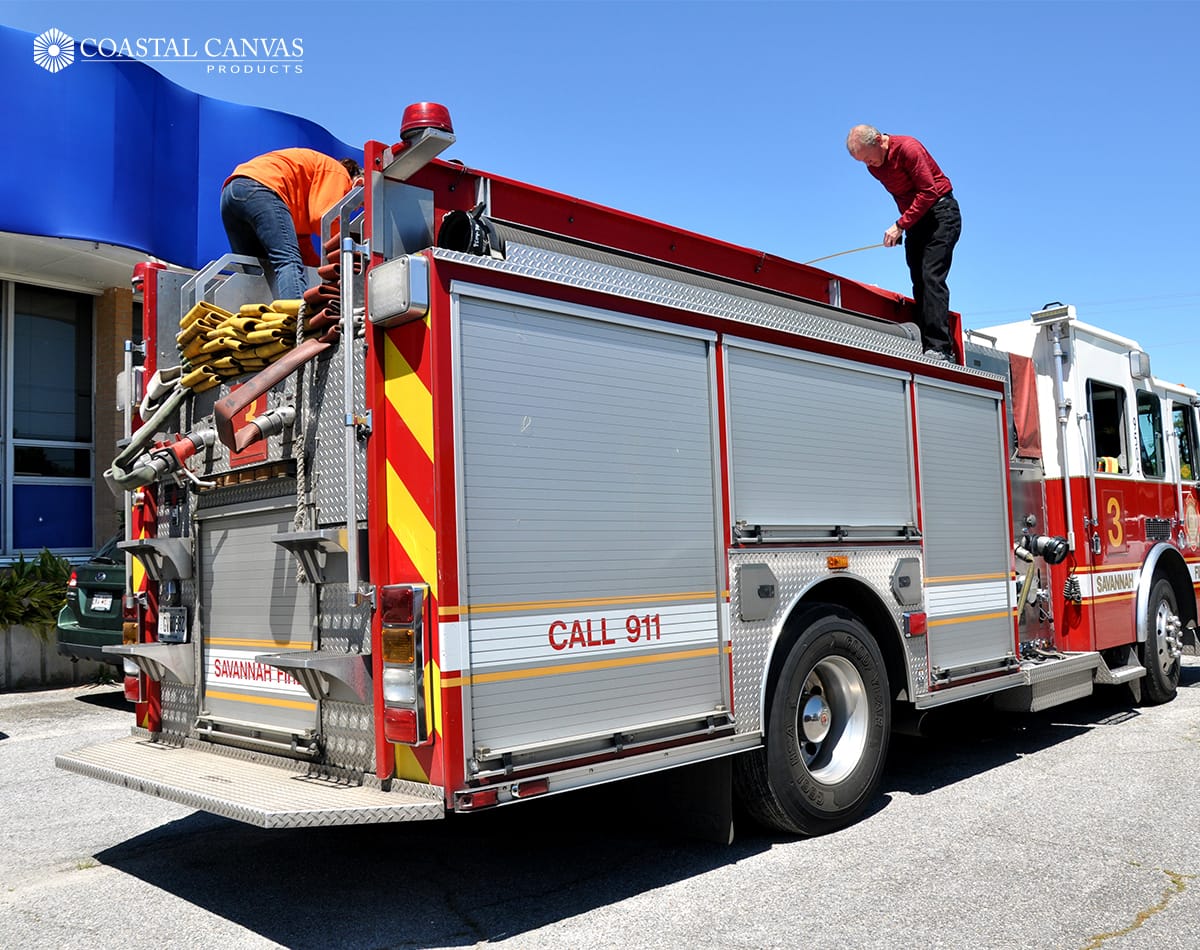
532 495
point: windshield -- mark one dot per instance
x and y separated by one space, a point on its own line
110 552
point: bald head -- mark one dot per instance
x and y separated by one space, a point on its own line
867 144
862 136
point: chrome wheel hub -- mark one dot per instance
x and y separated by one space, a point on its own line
1169 633
832 715
816 719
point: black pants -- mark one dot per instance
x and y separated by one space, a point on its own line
929 248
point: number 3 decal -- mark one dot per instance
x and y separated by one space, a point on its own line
1116 533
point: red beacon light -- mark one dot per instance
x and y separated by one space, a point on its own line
425 132
424 115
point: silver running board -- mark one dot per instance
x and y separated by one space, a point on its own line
268 794
1034 685
1119 675
1051 682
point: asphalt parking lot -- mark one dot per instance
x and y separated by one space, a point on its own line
1065 829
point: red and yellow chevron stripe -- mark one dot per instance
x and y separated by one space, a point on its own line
409 488
143 519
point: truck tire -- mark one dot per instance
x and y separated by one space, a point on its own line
827 731
1163 647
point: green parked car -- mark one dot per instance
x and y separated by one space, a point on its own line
91 618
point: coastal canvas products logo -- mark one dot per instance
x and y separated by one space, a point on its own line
54 51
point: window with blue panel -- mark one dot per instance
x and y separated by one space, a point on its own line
52 516
49 399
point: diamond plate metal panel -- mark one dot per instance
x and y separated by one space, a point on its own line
264 490
271 794
179 708
344 629
657 284
348 730
795 572
326 450
180 702
1051 683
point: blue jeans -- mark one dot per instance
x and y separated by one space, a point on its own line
259 224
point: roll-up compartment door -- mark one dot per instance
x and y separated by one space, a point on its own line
251 604
964 509
587 484
817 445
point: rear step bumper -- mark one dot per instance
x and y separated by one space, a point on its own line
287 795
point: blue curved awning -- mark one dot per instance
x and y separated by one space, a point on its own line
118 154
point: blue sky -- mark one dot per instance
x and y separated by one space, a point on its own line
1068 129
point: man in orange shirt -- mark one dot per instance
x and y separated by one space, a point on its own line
272 205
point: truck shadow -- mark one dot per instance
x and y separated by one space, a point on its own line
970 738
461 882
496 875
106 697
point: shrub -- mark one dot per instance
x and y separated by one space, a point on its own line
33 592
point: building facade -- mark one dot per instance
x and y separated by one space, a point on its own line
116 165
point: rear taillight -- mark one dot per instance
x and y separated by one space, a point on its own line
399 686
74 581
398 605
133 682
129 635
400 725
405 712
471 801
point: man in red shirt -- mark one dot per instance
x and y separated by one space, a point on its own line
272 205
929 218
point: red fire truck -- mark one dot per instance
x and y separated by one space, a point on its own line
533 495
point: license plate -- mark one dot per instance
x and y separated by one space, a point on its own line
101 601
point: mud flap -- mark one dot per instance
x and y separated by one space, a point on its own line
694 801
1190 645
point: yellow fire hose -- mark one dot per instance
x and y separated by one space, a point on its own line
215 343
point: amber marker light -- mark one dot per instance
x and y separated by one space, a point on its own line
399 646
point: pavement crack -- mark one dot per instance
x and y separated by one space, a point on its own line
1178 884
